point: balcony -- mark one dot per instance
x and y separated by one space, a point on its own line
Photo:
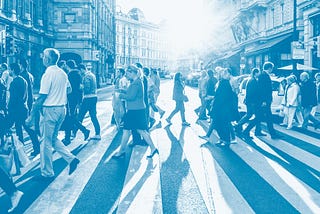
253 5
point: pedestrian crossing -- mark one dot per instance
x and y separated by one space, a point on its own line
189 175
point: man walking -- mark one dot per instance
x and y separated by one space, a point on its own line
90 99
265 95
52 102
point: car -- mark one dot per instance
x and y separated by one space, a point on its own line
277 95
192 78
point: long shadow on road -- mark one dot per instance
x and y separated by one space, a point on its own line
259 194
31 187
103 190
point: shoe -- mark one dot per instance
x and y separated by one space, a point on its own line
259 134
162 113
86 134
15 199
96 137
289 127
119 155
73 165
156 151
283 124
152 122
34 153
66 142
205 137
168 121
185 123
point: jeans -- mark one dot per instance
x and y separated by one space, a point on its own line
90 105
50 122
179 107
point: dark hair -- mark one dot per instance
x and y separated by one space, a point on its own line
254 71
15 67
177 76
268 65
210 73
4 66
146 71
122 71
82 66
154 71
71 64
61 63
139 65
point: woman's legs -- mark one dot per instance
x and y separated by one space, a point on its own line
146 136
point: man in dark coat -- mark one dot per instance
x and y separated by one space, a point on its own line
251 102
265 97
308 91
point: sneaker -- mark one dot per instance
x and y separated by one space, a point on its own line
96 137
73 165
185 123
204 137
15 199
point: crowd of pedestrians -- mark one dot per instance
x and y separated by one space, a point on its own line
68 91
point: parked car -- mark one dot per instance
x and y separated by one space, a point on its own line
192 78
277 95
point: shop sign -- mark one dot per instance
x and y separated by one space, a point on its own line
297 50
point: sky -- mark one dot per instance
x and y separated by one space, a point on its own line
192 23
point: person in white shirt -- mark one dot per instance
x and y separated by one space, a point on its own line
51 103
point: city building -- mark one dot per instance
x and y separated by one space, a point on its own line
138 40
81 30
311 24
264 30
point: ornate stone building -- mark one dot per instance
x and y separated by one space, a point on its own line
139 41
263 31
83 30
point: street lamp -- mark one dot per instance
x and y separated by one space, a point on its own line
294 35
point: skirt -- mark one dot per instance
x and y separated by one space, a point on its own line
135 119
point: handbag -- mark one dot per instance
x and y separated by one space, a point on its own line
6 154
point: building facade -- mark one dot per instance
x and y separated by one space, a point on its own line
82 30
311 22
139 41
263 30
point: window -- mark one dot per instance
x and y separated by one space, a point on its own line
282 13
272 18
316 25
69 18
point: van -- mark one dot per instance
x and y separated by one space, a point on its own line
277 95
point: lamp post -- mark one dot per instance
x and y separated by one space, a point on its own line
294 35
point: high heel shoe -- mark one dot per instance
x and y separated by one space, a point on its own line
156 151
117 155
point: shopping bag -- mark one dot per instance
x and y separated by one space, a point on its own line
6 154
19 149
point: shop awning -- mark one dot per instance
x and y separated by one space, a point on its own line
265 46
299 67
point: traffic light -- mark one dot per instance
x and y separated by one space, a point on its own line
9 45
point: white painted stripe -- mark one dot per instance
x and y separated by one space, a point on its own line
218 191
296 192
141 189
298 135
66 189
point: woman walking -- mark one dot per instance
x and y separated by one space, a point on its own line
135 118
179 97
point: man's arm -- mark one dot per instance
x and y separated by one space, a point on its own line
36 107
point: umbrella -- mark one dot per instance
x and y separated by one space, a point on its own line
299 67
